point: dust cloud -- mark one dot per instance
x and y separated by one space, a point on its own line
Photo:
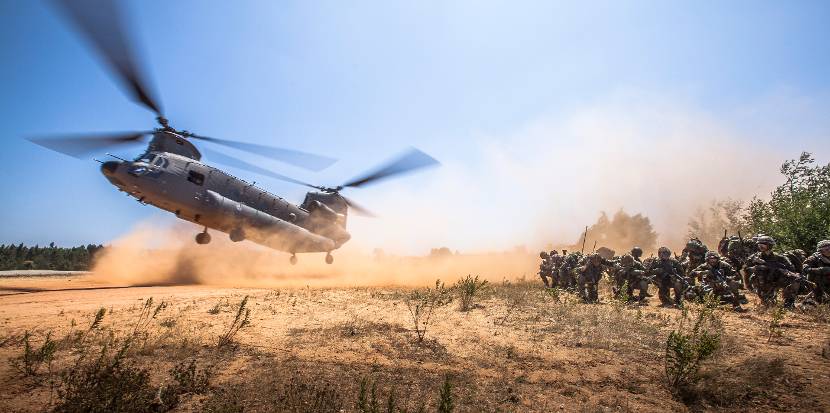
154 254
657 158
541 184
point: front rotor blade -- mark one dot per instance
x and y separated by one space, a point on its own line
302 159
101 23
79 145
228 160
408 162
359 210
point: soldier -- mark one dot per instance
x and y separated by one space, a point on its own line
566 275
719 278
693 256
630 274
770 272
555 262
636 253
588 276
669 275
545 268
817 269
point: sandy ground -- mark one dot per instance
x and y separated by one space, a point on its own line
519 349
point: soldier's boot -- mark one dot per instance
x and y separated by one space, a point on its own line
663 294
544 280
593 295
789 294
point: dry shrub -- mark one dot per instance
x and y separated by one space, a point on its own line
240 320
421 303
469 289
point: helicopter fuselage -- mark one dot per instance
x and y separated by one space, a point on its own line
170 176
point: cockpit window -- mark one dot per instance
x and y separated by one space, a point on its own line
138 171
147 157
196 178
160 162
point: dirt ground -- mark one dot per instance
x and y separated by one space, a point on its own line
520 348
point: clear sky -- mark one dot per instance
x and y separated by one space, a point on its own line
486 87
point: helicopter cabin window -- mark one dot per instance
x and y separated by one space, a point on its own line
196 178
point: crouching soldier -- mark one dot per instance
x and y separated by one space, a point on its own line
817 269
628 276
545 268
770 272
668 276
719 278
588 276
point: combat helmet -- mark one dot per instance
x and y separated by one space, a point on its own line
712 254
765 239
543 255
636 252
823 244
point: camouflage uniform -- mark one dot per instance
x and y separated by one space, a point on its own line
669 275
588 276
693 256
566 270
630 274
545 268
719 278
770 272
817 269
555 262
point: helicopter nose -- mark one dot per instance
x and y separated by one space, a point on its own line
109 167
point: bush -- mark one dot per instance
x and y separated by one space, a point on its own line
687 348
107 383
242 319
798 212
422 302
32 359
445 398
469 288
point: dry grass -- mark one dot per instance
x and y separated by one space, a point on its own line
523 348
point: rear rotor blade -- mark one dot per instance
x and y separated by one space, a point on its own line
408 162
79 145
233 162
302 159
101 23
359 210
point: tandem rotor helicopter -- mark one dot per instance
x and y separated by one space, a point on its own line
171 176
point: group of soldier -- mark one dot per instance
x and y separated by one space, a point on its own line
739 264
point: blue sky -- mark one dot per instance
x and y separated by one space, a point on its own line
462 80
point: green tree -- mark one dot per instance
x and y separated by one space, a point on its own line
798 212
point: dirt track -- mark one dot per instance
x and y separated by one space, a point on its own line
519 350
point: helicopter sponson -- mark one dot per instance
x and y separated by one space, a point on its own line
242 222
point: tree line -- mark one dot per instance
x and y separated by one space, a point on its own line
52 257
796 214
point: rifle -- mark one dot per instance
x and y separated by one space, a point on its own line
584 237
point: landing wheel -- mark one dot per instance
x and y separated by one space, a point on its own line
237 235
293 259
203 238
329 258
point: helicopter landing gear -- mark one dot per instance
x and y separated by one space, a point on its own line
203 238
237 235
329 258
293 259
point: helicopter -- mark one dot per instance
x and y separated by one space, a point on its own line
171 175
